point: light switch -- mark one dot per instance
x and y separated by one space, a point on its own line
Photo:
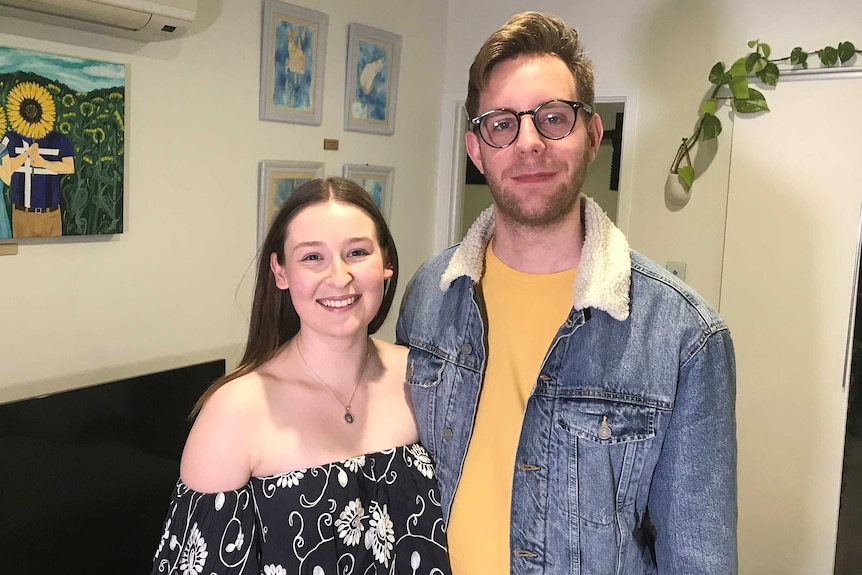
677 269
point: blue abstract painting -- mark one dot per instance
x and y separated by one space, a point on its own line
376 188
294 65
372 81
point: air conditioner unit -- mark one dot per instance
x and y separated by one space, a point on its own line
142 20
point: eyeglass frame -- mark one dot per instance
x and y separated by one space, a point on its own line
477 121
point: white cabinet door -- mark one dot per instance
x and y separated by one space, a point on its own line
793 223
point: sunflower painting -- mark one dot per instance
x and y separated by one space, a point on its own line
62 124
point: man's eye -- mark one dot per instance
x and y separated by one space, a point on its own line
501 125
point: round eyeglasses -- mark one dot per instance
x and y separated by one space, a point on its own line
554 120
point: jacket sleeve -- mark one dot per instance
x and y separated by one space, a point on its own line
693 497
405 316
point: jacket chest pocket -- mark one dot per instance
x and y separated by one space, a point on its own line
606 441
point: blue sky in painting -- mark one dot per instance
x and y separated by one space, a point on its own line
373 104
290 88
79 74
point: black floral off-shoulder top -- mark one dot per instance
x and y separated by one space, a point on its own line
373 514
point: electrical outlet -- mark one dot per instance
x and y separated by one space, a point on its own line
677 269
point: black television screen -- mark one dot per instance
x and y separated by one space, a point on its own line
86 475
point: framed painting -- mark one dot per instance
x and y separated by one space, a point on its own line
277 180
292 60
373 58
376 180
62 145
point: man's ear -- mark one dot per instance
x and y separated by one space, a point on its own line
278 271
471 140
595 131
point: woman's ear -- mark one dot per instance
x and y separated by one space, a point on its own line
388 273
278 271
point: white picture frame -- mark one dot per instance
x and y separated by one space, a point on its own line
371 89
377 181
292 63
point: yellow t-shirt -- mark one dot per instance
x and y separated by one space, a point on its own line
524 313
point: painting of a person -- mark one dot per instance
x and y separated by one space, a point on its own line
36 156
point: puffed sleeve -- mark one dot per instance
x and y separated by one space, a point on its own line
209 533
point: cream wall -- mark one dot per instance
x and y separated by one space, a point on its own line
660 53
175 288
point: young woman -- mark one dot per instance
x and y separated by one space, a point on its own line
305 459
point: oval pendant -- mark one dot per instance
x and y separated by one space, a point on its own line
348 417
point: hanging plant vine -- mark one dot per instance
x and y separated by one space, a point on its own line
732 86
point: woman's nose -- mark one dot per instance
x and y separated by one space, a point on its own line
340 274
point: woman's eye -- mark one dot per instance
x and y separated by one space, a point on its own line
358 252
310 258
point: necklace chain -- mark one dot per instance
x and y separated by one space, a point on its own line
348 416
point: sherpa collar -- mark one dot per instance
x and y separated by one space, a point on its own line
604 274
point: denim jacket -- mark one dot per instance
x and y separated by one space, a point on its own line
626 462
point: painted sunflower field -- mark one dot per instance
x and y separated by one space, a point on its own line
91 200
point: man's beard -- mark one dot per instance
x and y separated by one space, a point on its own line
557 206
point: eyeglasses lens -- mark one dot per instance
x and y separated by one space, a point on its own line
554 120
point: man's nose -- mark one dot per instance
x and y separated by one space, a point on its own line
529 137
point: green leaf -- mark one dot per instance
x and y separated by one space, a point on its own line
846 50
716 74
756 102
754 63
738 68
765 50
709 106
686 176
828 56
769 74
799 57
710 126
739 87
752 43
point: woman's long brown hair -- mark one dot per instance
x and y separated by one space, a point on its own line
274 320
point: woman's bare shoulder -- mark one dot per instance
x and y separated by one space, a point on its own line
218 451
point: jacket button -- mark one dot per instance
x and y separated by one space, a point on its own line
466 349
447 433
544 377
528 467
605 430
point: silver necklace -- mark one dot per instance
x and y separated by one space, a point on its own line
348 416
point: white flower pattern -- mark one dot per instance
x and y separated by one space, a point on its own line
375 514
380 536
349 523
354 464
290 479
194 553
421 460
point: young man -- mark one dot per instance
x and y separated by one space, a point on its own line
578 400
